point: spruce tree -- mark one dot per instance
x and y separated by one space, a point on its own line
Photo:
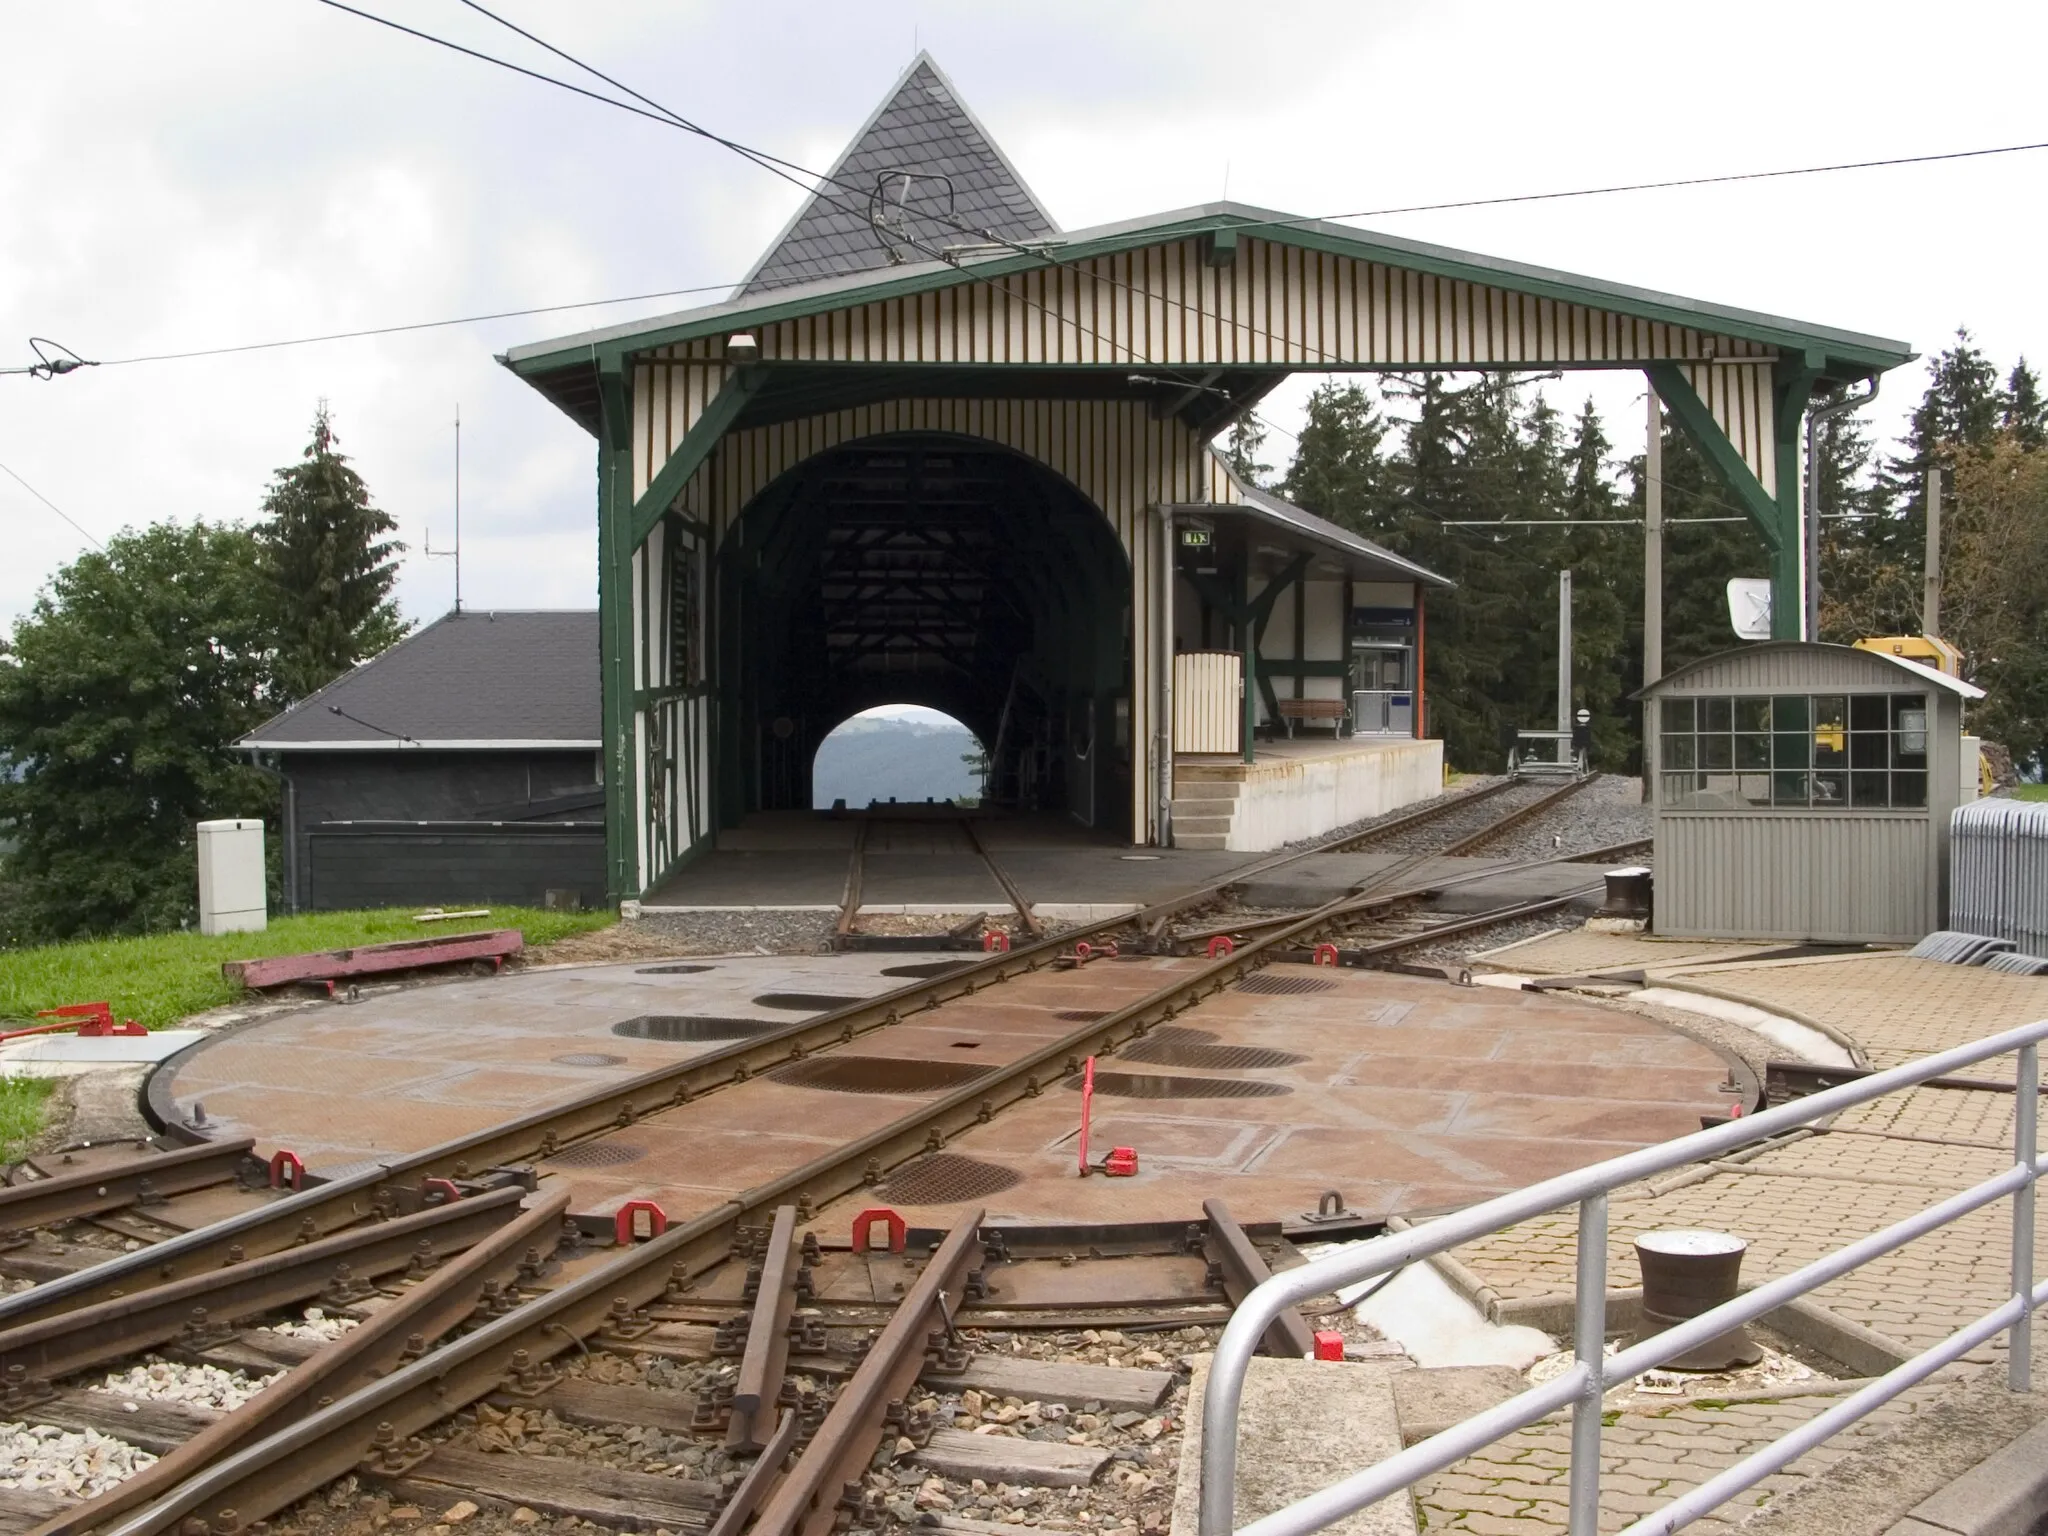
1241 449
330 566
1339 470
2023 412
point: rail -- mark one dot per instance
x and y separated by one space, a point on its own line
1581 1388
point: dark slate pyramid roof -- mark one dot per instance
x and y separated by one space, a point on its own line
922 126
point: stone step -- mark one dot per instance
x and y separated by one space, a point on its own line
1302 1425
1214 842
1208 789
1217 824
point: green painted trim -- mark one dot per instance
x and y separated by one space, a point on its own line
1792 384
1691 413
615 630
1844 354
719 413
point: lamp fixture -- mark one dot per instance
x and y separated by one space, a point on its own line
740 347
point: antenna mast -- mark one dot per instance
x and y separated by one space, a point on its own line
458 507
456 552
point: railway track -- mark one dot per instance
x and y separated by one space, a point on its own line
453 1245
968 935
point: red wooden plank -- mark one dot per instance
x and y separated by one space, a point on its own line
368 959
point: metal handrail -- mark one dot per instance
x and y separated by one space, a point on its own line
1582 1387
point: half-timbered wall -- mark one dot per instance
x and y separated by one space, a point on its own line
671 714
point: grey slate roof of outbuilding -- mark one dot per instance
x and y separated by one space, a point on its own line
467 680
922 125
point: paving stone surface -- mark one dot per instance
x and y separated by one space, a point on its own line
1874 1166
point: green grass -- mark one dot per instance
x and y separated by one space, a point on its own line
160 978
21 1112
2030 792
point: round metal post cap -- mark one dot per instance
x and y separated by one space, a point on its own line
1691 1242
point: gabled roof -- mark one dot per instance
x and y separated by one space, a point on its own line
1913 670
466 681
1297 529
1851 351
951 171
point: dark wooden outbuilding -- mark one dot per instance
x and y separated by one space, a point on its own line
461 766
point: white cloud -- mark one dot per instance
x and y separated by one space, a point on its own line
227 171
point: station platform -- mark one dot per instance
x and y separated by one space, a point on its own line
921 860
1298 788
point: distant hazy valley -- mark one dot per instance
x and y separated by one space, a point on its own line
873 758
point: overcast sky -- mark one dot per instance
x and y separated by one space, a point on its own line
185 174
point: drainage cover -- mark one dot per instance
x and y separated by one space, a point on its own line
1266 985
806 1002
1145 1085
877 1074
598 1154
931 968
672 970
588 1059
945 1177
1082 1015
687 1027
1172 1045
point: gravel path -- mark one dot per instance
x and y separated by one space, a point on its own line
1610 810
738 933
1356 827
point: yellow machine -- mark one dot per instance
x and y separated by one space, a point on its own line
1928 650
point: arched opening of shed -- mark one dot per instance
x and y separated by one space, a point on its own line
935 570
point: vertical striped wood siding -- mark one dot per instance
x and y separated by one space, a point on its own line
1275 305
670 715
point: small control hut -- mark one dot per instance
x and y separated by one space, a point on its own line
1803 792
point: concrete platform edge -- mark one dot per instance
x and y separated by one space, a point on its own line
1881 1488
2003 1495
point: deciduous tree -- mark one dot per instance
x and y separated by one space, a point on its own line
120 692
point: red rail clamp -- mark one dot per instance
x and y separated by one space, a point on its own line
282 1159
1329 1344
447 1189
1121 1163
899 1229
995 942
1222 944
639 1220
1325 954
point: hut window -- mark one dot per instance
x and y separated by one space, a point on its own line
1795 751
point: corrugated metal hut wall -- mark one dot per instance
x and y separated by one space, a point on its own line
1115 453
1823 874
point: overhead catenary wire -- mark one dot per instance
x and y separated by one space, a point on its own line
39 496
665 117
664 114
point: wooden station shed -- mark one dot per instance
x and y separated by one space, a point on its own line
1804 792
936 450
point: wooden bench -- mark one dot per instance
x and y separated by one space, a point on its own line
1328 712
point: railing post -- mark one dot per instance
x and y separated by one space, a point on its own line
1590 1345
2026 1111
